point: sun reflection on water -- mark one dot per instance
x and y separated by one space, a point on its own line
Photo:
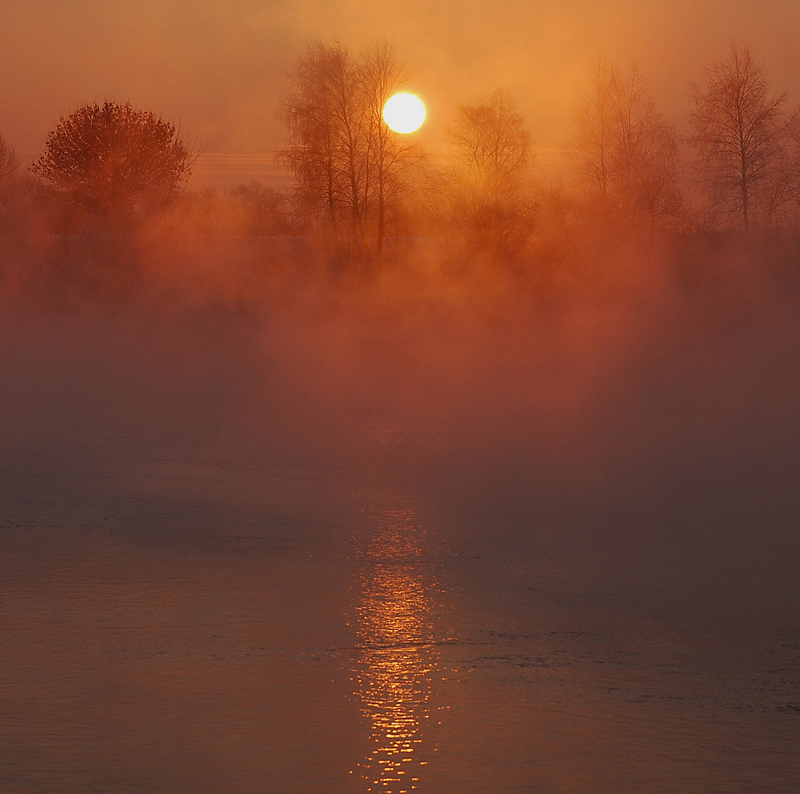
397 656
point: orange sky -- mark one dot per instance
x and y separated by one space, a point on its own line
218 67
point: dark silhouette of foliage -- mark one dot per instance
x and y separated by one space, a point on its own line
115 161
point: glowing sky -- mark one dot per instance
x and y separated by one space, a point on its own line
219 68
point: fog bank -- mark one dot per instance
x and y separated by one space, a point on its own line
637 428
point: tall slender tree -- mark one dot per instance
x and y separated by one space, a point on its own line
627 152
740 134
494 160
387 156
345 160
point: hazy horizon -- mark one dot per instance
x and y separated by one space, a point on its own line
220 72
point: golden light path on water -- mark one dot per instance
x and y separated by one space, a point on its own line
398 657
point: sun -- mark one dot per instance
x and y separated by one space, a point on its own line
404 112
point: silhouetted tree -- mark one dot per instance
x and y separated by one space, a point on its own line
494 162
115 161
596 121
320 136
386 155
742 138
345 160
627 152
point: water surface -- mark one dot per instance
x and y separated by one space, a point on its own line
251 556
263 646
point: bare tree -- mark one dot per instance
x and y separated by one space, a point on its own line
494 162
740 133
387 155
627 152
115 161
308 113
345 160
596 123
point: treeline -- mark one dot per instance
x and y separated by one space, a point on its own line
739 168
112 168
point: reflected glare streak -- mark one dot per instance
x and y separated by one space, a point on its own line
397 656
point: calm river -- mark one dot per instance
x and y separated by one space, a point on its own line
311 631
227 566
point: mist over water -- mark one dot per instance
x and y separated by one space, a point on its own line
462 461
488 531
